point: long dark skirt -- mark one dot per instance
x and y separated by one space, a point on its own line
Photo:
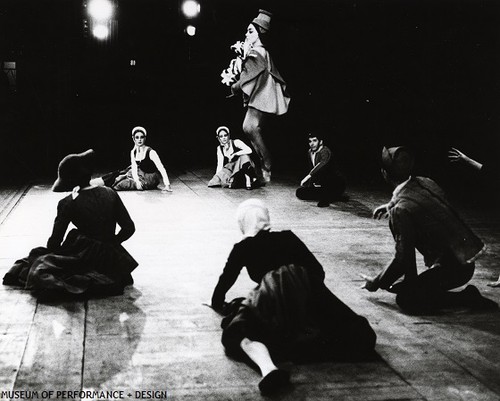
298 318
82 265
124 181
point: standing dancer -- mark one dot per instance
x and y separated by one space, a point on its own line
263 88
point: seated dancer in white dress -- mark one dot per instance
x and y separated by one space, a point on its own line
146 170
89 260
233 163
291 314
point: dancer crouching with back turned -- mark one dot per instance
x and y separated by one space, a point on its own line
420 217
291 313
91 260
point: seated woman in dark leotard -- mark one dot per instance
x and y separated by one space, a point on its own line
291 313
146 171
90 261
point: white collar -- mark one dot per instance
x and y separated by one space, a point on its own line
401 186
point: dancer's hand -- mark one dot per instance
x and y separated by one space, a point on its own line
494 284
166 188
304 180
221 310
381 212
454 155
138 185
370 283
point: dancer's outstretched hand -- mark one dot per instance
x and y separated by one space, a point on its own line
454 155
370 283
381 212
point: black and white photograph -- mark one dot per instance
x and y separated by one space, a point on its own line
240 200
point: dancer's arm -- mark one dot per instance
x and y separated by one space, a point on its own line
61 224
220 160
228 277
159 165
324 158
404 261
243 149
454 155
127 226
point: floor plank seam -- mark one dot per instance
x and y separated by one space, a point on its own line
398 374
25 347
4 214
86 309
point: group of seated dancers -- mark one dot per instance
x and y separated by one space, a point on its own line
290 314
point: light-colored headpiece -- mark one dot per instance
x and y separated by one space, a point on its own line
253 217
222 128
139 129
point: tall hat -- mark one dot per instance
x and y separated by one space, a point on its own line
397 161
263 19
139 129
74 170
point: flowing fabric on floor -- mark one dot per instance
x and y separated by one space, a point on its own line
298 318
81 265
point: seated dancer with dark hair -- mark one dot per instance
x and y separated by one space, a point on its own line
146 171
233 162
322 183
291 313
90 261
421 218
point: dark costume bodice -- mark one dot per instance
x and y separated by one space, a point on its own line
147 165
95 212
261 254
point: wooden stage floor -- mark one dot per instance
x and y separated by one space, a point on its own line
160 337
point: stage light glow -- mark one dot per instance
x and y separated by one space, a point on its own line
101 32
191 30
100 9
191 8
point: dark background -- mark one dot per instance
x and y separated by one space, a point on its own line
369 73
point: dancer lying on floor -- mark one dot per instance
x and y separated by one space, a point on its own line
291 313
146 170
421 218
91 260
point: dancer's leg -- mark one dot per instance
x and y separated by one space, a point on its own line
98 182
272 377
429 291
252 126
259 354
